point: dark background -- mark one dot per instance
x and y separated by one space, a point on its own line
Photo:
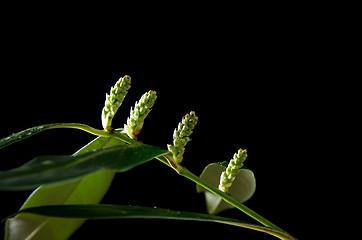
263 90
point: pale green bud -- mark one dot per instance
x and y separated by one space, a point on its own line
181 136
228 176
114 100
138 114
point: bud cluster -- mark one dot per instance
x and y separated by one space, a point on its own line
235 164
137 115
114 100
181 136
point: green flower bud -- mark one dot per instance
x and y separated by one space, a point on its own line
137 116
228 176
114 100
181 136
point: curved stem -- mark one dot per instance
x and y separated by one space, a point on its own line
227 198
35 130
97 132
166 159
83 127
124 137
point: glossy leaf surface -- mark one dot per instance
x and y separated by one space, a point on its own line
25 134
87 190
55 169
242 188
35 130
101 211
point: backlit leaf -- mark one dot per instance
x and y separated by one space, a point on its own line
102 211
55 169
242 188
86 190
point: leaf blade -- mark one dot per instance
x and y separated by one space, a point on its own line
15 137
103 211
87 190
25 134
74 192
55 169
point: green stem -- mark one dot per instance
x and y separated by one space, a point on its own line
166 159
186 173
227 198
97 132
124 137
83 127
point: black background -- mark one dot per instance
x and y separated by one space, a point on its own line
262 90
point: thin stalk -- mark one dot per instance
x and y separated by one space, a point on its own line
35 130
97 132
227 198
124 138
85 128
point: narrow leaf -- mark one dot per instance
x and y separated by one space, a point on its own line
25 134
87 190
102 211
34 130
55 169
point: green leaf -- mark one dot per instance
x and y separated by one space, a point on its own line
102 211
25 134
87 190
55 169
34 130
242 188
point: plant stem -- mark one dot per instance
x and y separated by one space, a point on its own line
227 198
97 132
83 127
124 137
